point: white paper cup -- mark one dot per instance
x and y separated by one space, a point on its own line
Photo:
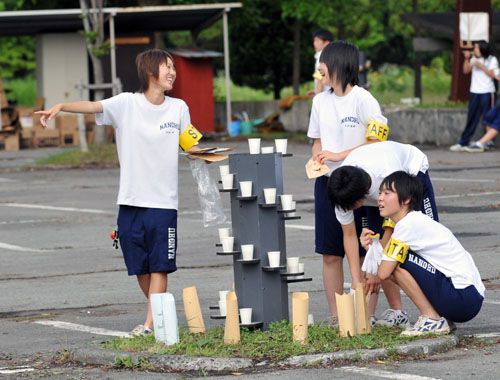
281 145
274 258
301 270
223 295
293 208
227 181
223 307
270 195
224 169
310 319
246 315
227 244
254 146
247 251
292 264
286 201
224 232
246 188
267 149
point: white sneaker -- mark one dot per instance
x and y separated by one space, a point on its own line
425 325
475 147
393 318
141 330
457 148
373 320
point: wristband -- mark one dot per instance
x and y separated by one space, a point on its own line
388 223
189 137
396 250
377 131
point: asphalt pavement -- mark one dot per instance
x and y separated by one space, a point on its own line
62 284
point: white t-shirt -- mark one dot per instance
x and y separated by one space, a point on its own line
437 244
379 160
480 82
147 141
340 121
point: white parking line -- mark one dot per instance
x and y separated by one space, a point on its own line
490 335
85 210
12 247
468 195
300 227
7 180
55 208
82 328
19 369
30 221
492 302
384 374
461 179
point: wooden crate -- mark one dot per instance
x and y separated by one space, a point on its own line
68 130
45 137
9 142
27 138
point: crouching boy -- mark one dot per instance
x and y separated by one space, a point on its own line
425 259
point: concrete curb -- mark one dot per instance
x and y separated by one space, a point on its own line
427 346
97 356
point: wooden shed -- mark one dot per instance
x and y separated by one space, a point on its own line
194 84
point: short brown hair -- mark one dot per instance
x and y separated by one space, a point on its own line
148 63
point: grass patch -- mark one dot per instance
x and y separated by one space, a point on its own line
274 344
98 155
389 84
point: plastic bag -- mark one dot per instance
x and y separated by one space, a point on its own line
208 194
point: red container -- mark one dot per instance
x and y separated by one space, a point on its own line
194 85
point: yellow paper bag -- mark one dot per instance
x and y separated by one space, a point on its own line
345 310
300 312
192 309
211 157
232 326
363 325
189 137
315 169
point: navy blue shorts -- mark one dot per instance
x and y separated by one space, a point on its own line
428 206
492 118
328 230
457 305
148 239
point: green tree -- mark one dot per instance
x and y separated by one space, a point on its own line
261 46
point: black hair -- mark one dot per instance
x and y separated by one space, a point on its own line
407 187
342 60
348 185
148 63
484 48
323 34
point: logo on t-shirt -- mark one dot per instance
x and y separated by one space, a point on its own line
170 127
349 122
171 243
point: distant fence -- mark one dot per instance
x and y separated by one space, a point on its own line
439 127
